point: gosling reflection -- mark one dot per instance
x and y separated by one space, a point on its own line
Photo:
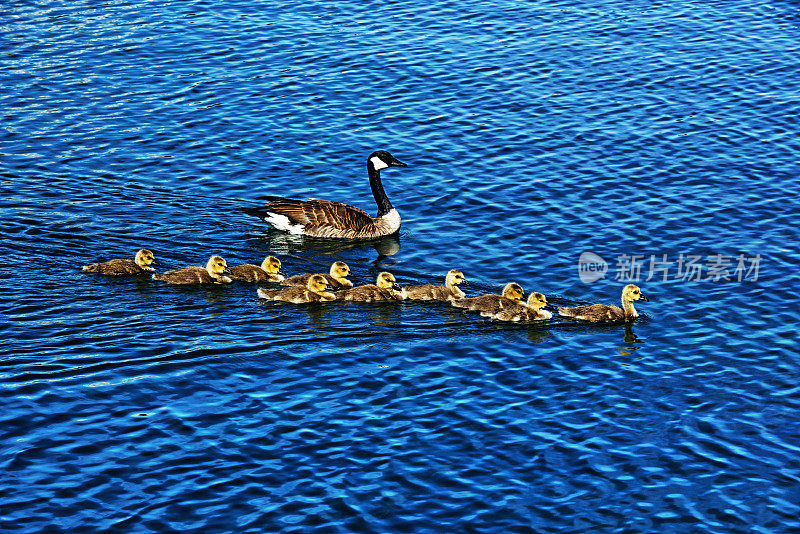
630 339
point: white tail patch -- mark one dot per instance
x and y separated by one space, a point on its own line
282 222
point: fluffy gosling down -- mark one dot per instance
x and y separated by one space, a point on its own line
449 291
492 303
605 313
314 291
120 267
268 271
212 273
336 277
384 289
529 311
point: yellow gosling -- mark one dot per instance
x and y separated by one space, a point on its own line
384 289
449 291
336 277
607 313
492 303
268 271
119 267
212 273
314 291
530 311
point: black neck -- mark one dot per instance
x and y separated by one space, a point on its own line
384 206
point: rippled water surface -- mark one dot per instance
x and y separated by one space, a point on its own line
659 137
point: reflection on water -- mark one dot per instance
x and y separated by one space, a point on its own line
287 244
521 156
537 333
630 338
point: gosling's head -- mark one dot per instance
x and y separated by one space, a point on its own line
387 281
513 291
317 284
339 270
536 301
216 266
454 278
271 265
632 292
144 258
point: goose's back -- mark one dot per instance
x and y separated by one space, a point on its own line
594 312
302 280
369 293
485 303
427 292
325 218
252 273
187 275
116 267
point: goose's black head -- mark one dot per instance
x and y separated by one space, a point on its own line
380 159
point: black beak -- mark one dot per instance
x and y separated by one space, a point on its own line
642 297
396 286
396 163
549 306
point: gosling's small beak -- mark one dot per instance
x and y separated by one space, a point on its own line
642 297
549 306
280 272
396 286
396 163
464 281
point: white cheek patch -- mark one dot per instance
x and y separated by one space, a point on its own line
378 163
282 222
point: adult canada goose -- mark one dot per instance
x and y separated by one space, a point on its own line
119 267
212 273
324 218
492 303
530 311
384 289
314 291
336 277
598 313
268 271
449 291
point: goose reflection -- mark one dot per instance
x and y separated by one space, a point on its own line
282 243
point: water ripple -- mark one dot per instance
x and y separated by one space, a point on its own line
533 133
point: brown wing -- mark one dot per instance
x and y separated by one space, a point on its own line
185 275
297 280
289 294
324 218
509 312
426 292
369 293
593 312
248 273
480 303
114 267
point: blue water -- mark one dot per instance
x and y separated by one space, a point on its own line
663 132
